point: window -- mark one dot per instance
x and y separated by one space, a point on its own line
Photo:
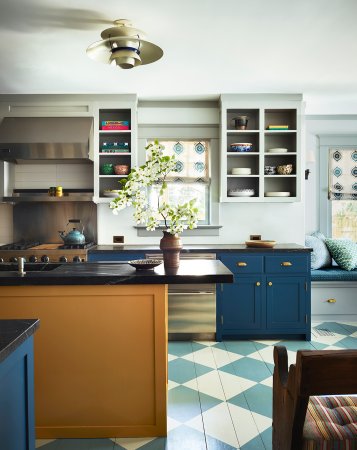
344 219
342 192
192 179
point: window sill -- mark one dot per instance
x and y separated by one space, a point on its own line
201 230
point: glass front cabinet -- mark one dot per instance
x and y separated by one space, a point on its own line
261 148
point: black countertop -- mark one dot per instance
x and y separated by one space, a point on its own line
13 333
214 248
189 272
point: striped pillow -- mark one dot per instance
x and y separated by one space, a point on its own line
331 423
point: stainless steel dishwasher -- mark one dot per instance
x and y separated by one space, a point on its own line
191 308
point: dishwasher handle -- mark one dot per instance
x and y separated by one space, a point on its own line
192 293
193 256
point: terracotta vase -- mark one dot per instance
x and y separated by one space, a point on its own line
171 245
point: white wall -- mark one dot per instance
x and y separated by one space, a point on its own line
282 222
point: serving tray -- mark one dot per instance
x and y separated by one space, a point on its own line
260 244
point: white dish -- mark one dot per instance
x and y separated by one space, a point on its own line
277 194
241 171
110 193
241 193
278 150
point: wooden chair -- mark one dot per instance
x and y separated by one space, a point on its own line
302 419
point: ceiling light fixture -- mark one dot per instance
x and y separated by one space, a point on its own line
124 46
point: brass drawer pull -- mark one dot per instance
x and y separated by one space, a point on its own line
331 300
270 283
286 263
242 264
258 283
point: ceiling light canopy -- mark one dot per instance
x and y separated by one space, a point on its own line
124 46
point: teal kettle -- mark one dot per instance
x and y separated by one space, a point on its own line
75 236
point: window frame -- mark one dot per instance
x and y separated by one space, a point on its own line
206 220
326 143
193 132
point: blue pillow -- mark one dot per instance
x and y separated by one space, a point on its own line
320 256
344 252
319 235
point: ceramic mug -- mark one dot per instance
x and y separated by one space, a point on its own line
240 122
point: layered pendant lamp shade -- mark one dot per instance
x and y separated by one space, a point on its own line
124 46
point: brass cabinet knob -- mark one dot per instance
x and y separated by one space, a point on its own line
286 263
331 300
258 283
270 283
241 264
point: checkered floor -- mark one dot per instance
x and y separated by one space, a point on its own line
220 394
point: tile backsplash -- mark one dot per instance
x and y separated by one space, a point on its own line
6 223
42 176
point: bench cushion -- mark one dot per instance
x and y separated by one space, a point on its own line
331 423
333 274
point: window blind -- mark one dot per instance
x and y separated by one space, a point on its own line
342 174
192 161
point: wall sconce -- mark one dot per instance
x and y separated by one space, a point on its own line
310 158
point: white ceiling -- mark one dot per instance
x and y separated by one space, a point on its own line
210 47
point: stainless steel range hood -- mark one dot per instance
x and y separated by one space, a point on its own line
46 139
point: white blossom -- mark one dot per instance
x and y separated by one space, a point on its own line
176 217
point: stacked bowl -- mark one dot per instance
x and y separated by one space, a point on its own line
241 147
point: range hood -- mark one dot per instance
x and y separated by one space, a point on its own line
46 139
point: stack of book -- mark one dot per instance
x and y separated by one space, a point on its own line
115 125
115 147
278 127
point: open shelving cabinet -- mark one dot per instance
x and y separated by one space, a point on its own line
262 111
113 146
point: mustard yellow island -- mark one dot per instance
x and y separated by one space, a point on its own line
101 350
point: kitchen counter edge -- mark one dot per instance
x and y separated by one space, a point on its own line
189 272
13 332
197 248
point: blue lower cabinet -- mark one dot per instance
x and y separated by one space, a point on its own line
114 256
270 297
242 305
286 305
17 422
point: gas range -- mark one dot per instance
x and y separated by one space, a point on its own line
37 252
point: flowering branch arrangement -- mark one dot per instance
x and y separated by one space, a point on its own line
176 218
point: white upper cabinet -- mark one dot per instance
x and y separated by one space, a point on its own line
115 142
261 148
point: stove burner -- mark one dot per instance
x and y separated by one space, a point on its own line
76 246
22 245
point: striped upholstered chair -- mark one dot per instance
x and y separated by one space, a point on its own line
315 402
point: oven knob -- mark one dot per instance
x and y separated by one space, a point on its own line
77 259
63 259
45 259
13 259
33 259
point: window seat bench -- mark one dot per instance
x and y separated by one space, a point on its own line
334 294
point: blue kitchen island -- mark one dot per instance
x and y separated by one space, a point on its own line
17 424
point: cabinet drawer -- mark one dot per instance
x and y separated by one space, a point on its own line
333 300
286 264
243 263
